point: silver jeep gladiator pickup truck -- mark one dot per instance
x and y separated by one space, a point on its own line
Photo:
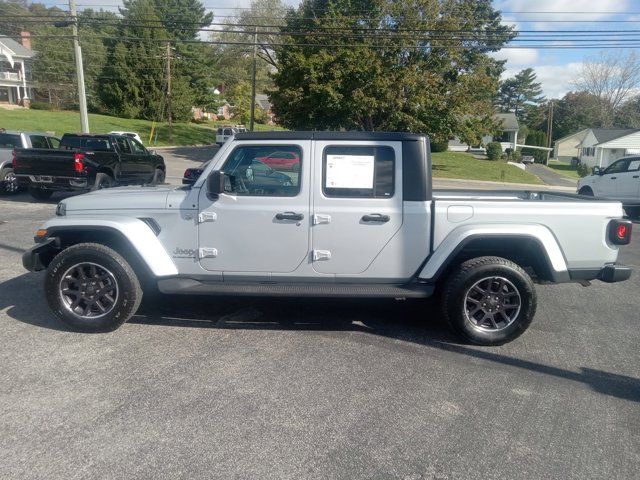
332 214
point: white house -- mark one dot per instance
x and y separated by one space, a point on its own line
602 146
567 148
15 85
508 137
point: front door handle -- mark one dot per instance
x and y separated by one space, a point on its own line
636 176
289 216
613 178
375 217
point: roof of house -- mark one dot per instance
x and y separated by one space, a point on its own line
604 135
18 49
263 101
572 135
509 120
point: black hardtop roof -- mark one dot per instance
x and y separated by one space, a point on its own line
93 135
323 135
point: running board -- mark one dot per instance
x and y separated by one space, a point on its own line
190 286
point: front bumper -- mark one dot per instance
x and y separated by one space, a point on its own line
610 273
38 257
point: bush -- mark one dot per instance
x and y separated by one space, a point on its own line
582 169
439 146
494 150
42 106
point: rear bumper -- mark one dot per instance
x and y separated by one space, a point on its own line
38 257
58 182
610 273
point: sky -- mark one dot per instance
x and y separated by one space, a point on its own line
555 68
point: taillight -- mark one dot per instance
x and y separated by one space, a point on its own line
78 162
14 159
188 173
620 232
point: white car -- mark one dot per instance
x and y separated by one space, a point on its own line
619 181
128 134
528 159
225 133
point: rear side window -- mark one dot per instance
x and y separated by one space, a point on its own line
8 140
361 172
123 145
227 131
38 141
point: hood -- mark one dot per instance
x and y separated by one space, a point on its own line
121 198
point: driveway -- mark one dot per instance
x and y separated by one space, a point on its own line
549 177
236 388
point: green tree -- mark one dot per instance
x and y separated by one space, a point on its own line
628 115
574 112
334 73
519 93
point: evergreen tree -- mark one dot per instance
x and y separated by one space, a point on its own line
520 92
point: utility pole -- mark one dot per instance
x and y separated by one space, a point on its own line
253 83
170 120
82 96
549 129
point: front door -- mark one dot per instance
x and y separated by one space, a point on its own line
144 169
127 161
261 224
357 203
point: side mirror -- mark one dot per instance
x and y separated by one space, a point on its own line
215 182
598 171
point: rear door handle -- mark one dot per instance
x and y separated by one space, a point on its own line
375 217
289 216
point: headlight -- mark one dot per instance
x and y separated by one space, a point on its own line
61 209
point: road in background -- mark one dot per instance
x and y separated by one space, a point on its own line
197 387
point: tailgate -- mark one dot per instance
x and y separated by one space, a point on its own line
41 161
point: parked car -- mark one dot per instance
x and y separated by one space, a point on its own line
282 160
87 162
128 134
360 220
225 133
9 141
619 181
528 159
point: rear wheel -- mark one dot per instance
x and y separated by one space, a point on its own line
103 180
8 181
40 193
489 300
92 288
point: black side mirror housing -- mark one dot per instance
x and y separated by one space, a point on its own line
598 171
215 183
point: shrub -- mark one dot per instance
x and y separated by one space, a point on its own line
494 150
582 170
42 106
439 146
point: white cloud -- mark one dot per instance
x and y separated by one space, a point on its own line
525 57
562 9
556 80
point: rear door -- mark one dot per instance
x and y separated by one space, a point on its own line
261 225
630 181
357 203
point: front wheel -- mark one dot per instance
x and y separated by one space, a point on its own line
489 300
92 288
158 177
40 193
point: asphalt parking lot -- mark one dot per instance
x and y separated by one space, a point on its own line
296 389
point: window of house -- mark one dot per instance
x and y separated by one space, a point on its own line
264 170
365 172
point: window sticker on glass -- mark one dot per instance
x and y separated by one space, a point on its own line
633 166
350 171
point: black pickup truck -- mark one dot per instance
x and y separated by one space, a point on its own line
87 162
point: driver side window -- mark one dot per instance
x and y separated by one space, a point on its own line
259 170
619 167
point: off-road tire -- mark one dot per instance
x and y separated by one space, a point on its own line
129 292
464 277
40 193
8 182
103 180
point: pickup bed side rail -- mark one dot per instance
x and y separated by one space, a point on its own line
461 236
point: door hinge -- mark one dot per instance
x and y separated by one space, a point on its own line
207 217
319 218
208 252
321 255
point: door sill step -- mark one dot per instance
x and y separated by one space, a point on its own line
191 286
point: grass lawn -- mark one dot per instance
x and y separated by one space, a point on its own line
564 169
463 165
69 122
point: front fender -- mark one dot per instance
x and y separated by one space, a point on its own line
461 236
137 233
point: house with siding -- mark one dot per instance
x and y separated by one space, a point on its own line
15 78
602 146
508 136
566 149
